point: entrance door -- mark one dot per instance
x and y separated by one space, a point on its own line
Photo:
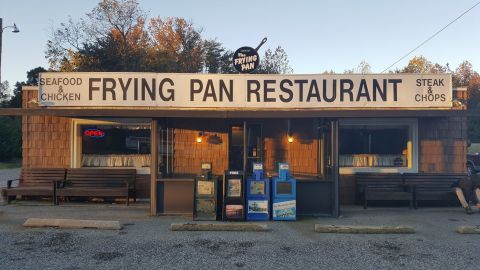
319 197
328 158
245 148
328 149
236 148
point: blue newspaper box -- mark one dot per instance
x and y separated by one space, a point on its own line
258 194
284 197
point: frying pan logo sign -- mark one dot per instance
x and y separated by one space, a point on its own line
246 59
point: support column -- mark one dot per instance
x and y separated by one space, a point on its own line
153 166
335 170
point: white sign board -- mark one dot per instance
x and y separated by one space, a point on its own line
179 90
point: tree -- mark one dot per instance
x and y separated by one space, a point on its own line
120 20
4 93
420 64
362 68
10 138
117 36
226 64
32 75
463 74
274 62
180 41
417 64
213 56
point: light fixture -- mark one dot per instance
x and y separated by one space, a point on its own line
15 29
289 132
290 136
200 137
458 102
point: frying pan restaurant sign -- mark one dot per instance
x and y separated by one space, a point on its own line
315 91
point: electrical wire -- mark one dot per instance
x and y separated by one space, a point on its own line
431 37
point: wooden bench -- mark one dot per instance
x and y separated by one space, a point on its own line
86 182
35 182
383 187
433 186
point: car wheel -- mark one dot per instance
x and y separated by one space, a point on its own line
470 169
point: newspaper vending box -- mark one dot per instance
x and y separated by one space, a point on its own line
284 205
258 194
205 192
233 196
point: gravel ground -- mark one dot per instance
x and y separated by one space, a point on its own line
7 174
147 243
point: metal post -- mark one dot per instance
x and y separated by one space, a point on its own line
153 166
15 30
335 172
1 36
245 146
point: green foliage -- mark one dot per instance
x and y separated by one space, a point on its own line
11 127
4 95
274 62
10 138
420 64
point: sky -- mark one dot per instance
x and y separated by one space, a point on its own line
317 35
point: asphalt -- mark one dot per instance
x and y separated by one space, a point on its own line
147 242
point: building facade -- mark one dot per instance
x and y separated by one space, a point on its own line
398 130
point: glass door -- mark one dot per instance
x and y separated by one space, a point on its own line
328 158
328 149
245 146
236 148
254 145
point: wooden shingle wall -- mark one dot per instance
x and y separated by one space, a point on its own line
442 144
188 154
46 139
302 153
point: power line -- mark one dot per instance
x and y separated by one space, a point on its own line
432 36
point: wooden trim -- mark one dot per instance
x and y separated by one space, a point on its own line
153 166
231 113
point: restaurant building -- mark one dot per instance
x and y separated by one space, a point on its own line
327 127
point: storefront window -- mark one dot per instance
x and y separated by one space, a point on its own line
115 145
377 144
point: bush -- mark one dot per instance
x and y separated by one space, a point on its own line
10 138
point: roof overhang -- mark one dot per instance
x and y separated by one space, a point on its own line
229 113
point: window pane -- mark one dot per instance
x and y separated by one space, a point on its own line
373 146
115 146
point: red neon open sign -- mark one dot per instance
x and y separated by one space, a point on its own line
94 133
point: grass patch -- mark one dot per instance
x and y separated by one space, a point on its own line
10 165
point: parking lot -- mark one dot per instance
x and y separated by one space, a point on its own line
146 242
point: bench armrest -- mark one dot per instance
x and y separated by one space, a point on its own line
9 182
59 183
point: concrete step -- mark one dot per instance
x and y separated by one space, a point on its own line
72 223
320 228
